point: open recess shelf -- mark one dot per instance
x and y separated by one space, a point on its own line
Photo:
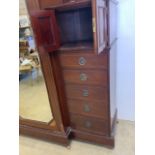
75 28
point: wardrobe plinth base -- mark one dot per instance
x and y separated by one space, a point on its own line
56 137
93 138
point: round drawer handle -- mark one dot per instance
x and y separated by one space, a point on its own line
86 108
83 77
88 124
85 93
82 61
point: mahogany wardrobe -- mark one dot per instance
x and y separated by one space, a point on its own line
76 41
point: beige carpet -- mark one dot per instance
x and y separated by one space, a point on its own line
124 145
34 103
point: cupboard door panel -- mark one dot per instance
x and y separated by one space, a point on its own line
99 24
45 30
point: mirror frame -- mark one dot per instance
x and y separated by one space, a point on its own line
58 130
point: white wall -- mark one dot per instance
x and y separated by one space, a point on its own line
125 60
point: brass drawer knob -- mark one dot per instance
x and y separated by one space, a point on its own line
86 108
82 61
83 77
88 124
85 93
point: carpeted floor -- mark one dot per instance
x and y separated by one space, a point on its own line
125 144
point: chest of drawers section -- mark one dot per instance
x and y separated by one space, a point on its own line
86 85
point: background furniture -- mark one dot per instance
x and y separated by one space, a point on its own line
26 69
33 58
76 41
23 54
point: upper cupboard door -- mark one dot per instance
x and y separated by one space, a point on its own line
99 25
45 30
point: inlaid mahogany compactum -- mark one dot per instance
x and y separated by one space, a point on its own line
76 41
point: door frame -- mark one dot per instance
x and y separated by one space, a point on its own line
51 71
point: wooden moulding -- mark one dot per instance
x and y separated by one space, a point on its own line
48 135
107 141
57 131
92 138
65 6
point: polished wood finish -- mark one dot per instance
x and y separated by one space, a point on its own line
86 92
60 3
60 90
55 136
45 30
39 129
72 1
96 109
75 25
107 141
89 124
99 25
78 61
95 138
46 3
70 5
42 125
97 77
51 87
89 60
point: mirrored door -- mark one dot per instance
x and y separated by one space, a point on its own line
34 102
42 104
33 97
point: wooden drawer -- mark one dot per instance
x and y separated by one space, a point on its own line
84 61
48 3
87 93
88 108
89 124
93 77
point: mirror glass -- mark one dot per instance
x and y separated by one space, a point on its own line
33 98
34 103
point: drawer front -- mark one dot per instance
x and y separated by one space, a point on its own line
87 93
95 77
89 124
47 3
84 61
88 108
